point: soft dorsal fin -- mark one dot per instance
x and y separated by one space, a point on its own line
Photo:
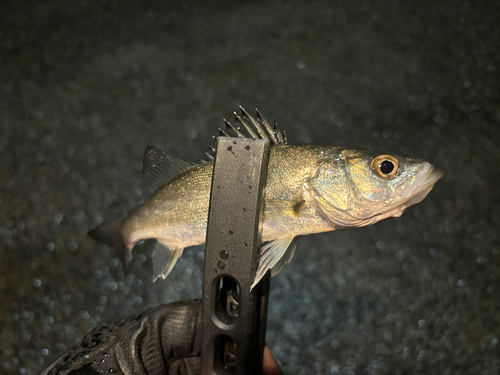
159 168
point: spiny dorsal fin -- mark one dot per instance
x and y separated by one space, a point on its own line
263 123
236 130
238 118
159 168
256 127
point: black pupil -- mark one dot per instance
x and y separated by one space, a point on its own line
386 167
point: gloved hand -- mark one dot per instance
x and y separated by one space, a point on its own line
163 340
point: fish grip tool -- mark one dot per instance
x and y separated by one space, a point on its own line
234 318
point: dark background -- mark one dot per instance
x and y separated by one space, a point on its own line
85 86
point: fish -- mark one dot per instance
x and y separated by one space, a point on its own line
309 189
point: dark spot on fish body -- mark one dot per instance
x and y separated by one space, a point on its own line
224 254
247 147
245 243
231 232
216 270
249 186
230 148
297 207
244 209
221 264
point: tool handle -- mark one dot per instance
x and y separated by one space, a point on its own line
234 319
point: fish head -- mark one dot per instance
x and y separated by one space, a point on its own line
359 187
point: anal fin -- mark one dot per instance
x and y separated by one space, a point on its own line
274 255
164 259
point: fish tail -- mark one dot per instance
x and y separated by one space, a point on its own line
110 234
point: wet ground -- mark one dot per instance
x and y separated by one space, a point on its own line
85 86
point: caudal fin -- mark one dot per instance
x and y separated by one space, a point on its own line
110 234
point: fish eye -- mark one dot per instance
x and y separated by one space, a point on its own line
385 166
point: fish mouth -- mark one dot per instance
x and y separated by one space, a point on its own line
430 177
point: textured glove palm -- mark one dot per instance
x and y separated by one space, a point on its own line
163 340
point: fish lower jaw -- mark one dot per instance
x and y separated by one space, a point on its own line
357 222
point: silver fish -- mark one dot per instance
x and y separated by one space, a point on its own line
309 189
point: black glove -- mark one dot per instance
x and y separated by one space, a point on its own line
163 340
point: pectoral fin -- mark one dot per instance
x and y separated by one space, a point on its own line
164 259
279 208
271 257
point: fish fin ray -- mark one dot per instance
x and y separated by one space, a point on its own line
286 258
238 118
256 127
234 129
159 168
271 253
277 136
280 205
164 259
110 234
263 122
276 208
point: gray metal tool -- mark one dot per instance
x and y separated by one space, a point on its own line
234 318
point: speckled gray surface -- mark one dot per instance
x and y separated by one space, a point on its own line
86 85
